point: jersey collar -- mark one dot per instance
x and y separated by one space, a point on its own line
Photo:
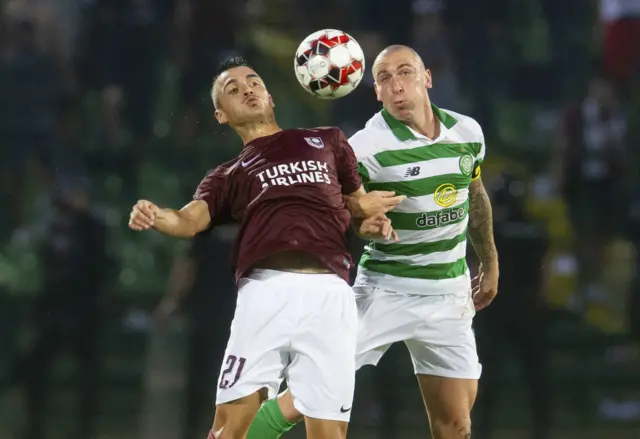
404 133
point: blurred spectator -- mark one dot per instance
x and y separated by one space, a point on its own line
566 43
87 73
69 310
31 92
475 28
589 167
118 55
206 34
202 284
516 319
634 290
432 44
621 36
56 28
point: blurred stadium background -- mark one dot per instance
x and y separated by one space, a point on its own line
106 101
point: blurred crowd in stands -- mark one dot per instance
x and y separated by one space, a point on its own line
103 102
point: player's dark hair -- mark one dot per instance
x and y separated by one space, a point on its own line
228 64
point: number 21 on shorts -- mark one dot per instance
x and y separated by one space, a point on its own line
232 372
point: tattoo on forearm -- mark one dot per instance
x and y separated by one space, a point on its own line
481 223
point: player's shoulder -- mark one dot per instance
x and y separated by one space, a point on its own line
462 123
366 140
222 170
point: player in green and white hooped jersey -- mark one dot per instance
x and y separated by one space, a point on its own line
418 289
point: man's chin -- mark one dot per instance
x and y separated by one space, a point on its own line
402 112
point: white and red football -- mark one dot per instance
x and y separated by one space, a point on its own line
329 64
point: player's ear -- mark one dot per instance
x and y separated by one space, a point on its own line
428 82
221 117
273 104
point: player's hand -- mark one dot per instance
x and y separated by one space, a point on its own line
377 227
379 202
143 215
485 286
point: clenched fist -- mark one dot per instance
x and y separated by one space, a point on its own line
143 215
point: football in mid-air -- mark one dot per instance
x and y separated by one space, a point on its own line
329 64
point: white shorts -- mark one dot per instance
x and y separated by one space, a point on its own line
301 327
436 329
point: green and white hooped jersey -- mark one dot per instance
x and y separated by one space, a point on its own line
429 257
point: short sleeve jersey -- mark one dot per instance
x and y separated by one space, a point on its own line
434 174
286 192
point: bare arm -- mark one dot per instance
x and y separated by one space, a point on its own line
353 203
365 205
184 223
480 227
181 282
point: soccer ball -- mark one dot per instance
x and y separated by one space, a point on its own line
329 64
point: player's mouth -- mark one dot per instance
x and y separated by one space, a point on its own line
251 100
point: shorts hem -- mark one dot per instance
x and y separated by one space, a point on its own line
317 414
371 361
445 373
230 396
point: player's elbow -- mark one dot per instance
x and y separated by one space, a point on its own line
194 218
191 227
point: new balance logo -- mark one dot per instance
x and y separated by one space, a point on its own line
413 171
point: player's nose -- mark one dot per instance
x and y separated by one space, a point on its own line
397 86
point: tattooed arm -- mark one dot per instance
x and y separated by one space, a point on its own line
480 231
481 224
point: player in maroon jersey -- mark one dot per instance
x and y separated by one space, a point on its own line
295 315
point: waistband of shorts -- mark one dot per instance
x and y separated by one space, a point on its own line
289 276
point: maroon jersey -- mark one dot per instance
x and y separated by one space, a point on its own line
286 192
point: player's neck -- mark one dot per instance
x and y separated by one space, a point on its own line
425 122
254 131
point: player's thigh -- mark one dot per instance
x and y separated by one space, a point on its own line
321 375
325 429
384 317
232 419
445 358
257 351
448 401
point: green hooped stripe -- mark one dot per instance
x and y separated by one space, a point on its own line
364 173
427 272
429 152
423 186
423 248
